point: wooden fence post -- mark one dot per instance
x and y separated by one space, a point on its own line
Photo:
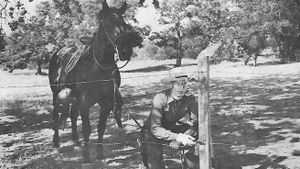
204 113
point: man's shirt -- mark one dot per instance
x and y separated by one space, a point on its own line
168 113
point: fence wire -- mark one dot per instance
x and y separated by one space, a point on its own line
127 109
91 81
111 80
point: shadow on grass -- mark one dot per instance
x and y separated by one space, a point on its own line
250 114
266 63
23 115
248 118
155 68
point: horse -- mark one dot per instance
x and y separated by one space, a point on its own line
95 78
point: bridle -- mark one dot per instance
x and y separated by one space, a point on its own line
115 47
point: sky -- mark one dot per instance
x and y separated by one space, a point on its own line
146 15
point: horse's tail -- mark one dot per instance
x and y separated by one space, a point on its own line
53 63
53 67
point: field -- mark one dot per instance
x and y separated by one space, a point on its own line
255 117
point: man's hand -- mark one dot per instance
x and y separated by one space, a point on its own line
186 140
175 144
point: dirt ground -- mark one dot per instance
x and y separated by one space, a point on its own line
255 118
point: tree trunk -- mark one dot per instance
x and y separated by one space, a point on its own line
291 51
180 55
281 54
39 71
39 67
178 62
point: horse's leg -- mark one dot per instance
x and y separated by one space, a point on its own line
105 109
55 117
118 107
74 115
84 106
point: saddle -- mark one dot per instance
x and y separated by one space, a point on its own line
68 58
73 54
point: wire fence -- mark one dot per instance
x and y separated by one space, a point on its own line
193 78
127 109
111 80
90 81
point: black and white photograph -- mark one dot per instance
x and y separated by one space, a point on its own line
149 84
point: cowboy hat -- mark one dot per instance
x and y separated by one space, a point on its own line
175 74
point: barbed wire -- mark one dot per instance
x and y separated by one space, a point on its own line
157 143
147 142
91 81
151 142
110 80
127 142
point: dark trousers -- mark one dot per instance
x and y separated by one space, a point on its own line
152 148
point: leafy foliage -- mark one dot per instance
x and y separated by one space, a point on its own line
46 31
276 19
190 26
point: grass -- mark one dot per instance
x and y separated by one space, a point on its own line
254 112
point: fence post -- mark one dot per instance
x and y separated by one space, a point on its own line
203 113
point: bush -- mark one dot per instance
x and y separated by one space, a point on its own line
148 51
161 54
20 64
227 51
3 57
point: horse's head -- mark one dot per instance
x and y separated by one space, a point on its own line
121 35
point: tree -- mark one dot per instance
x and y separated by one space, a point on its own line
278 19
2 40
28 41
193 25
172 13
32 41
14 12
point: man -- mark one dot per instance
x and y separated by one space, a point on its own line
172 121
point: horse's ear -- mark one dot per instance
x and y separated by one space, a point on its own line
123 8
104 6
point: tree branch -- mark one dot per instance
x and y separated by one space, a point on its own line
3 8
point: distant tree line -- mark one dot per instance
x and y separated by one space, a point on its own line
190 27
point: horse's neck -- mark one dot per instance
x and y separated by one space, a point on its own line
102 49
